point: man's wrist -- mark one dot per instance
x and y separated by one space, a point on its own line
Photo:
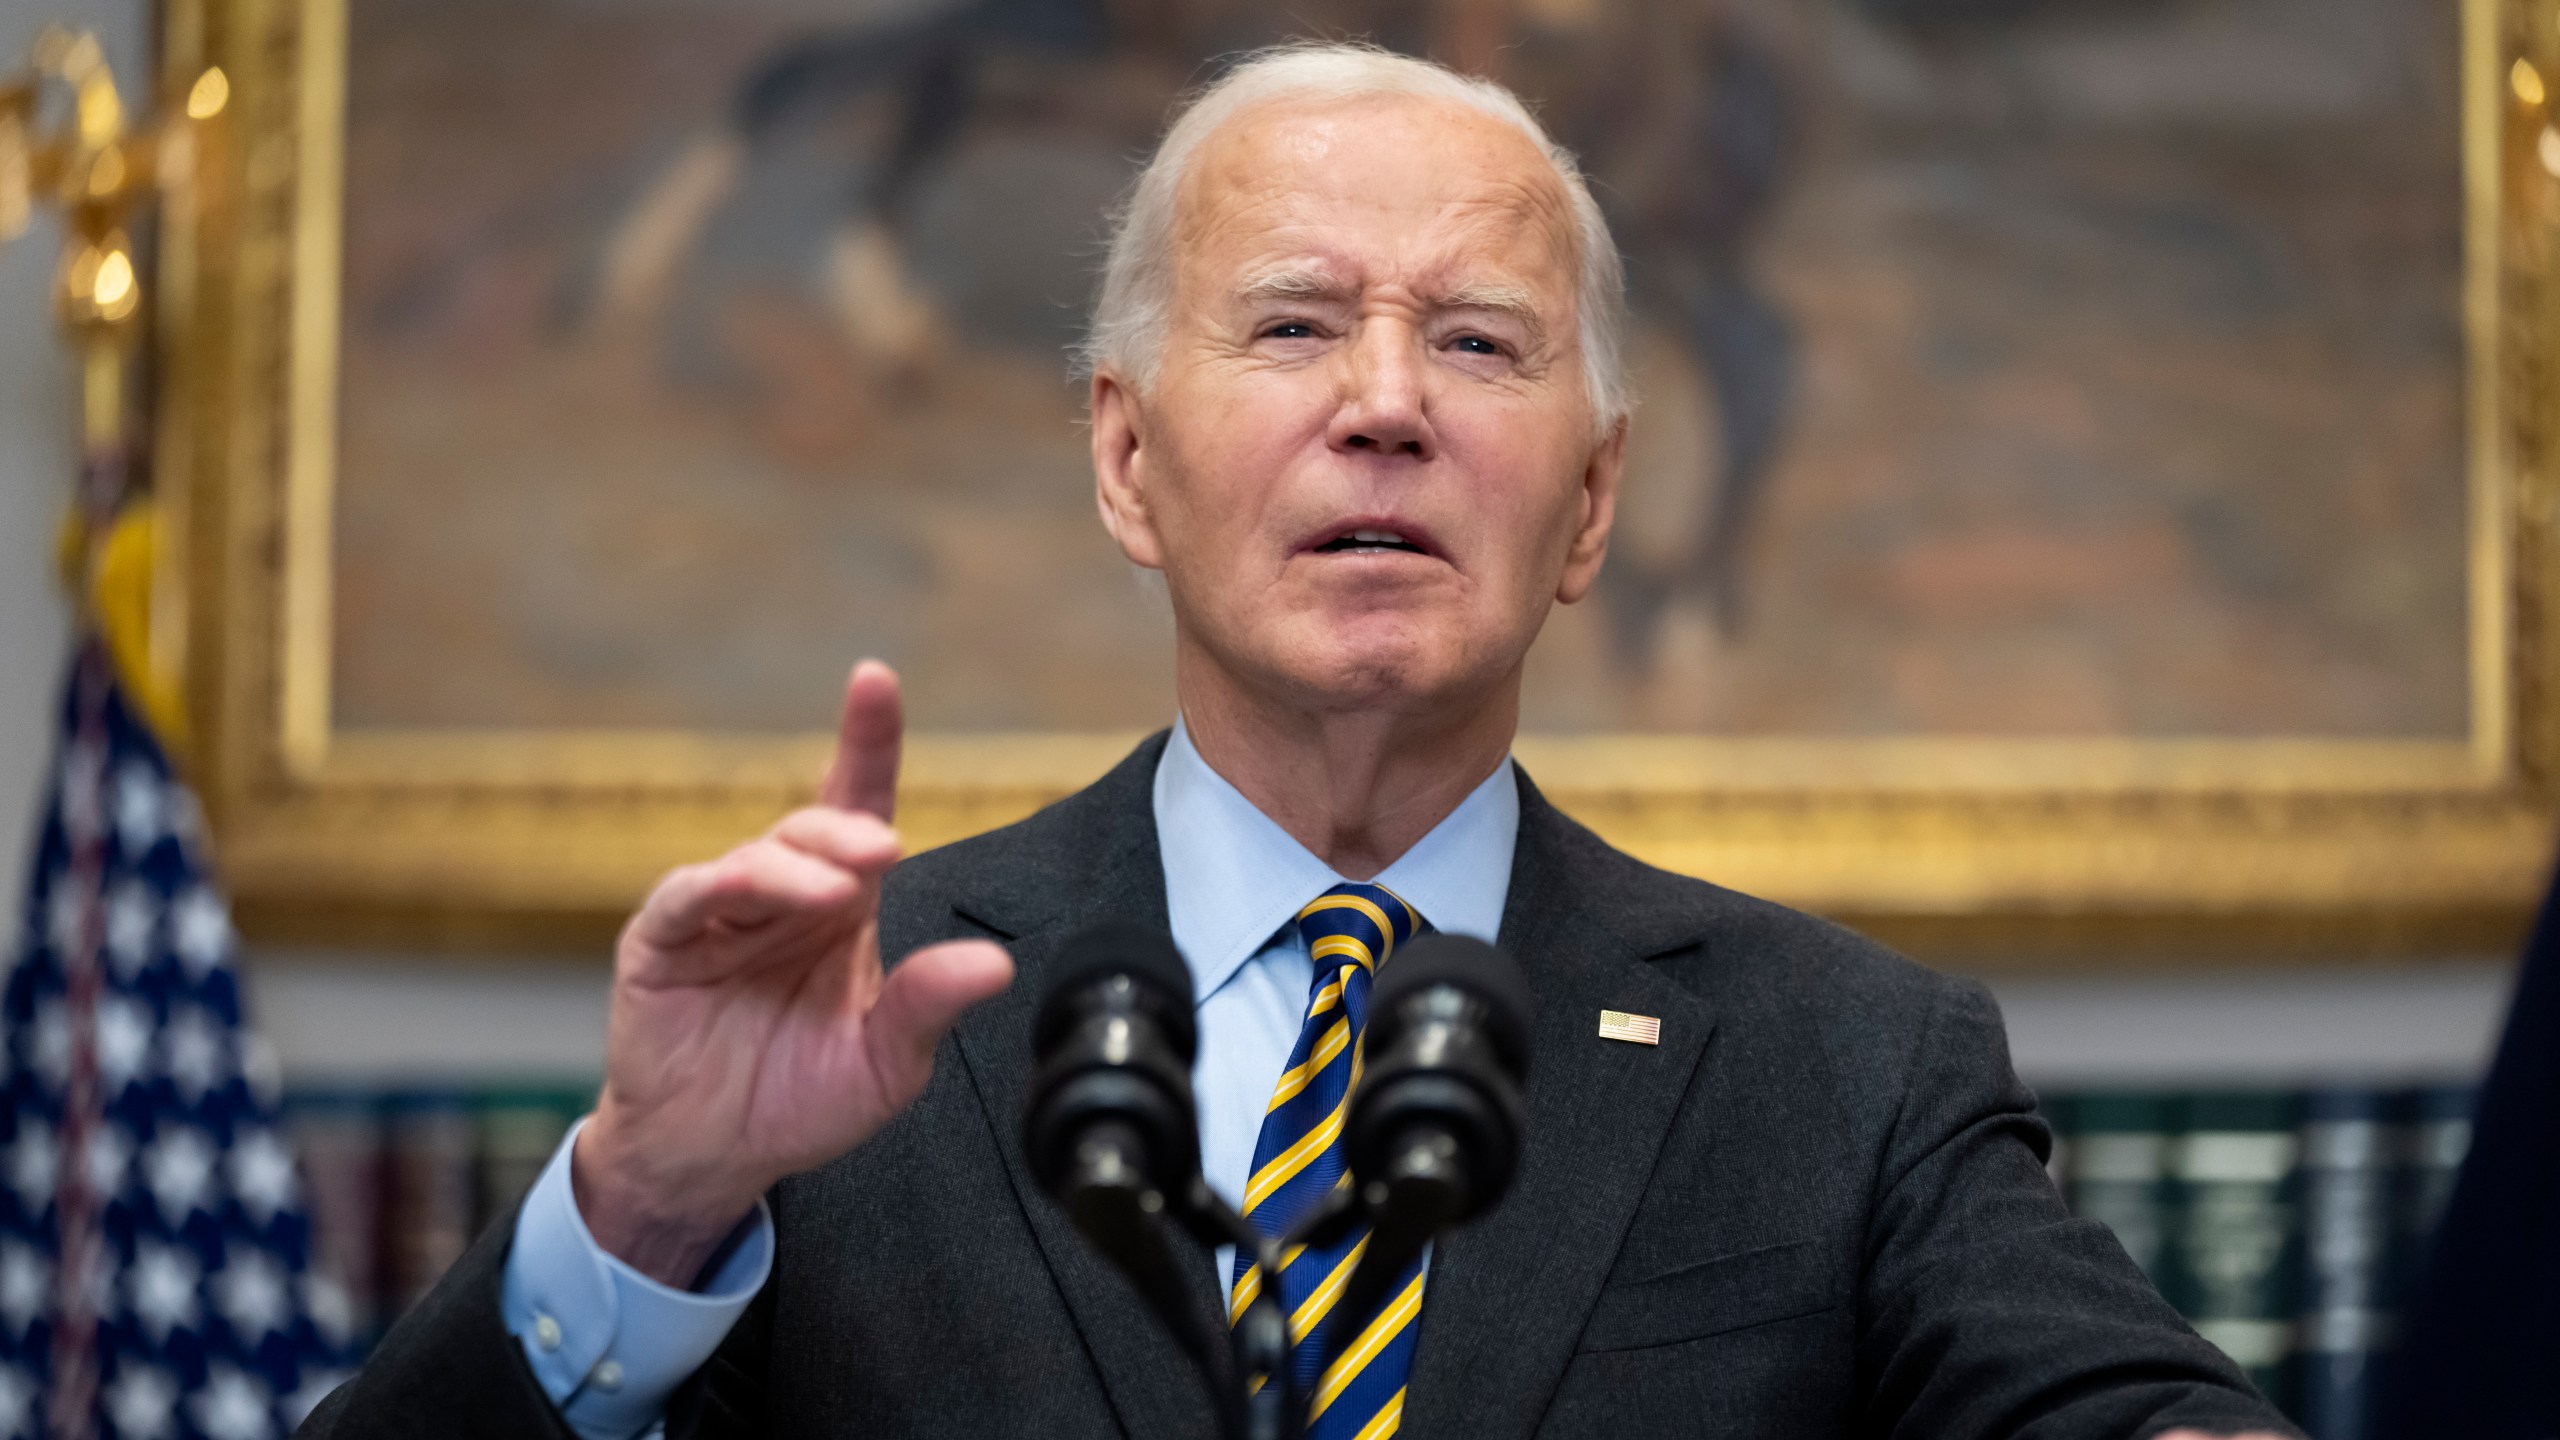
660 1224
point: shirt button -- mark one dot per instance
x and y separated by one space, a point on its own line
607 1375
546 1333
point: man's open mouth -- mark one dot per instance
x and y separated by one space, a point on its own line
1355 541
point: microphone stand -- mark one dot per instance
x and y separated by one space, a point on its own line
1422 1192
1110 1201
1271 1409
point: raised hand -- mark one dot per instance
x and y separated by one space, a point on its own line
752 1033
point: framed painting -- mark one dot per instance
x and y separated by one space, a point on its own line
2092 495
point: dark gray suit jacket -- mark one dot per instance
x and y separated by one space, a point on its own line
1817 1208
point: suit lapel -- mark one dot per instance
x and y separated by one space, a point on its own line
1507 1296
1113 868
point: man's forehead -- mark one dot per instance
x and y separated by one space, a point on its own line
1325 189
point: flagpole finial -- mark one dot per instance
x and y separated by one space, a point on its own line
100 169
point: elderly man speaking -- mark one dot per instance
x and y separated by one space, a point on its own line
1356 394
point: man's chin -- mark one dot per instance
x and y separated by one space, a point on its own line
1375 661
1387 677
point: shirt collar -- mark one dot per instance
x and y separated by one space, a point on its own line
1232 876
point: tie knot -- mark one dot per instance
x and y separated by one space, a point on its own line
1356 922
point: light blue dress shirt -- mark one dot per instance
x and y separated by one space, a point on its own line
609 1345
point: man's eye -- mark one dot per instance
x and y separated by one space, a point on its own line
1290 330
1477 345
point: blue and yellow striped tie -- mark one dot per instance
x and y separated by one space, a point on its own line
1350 929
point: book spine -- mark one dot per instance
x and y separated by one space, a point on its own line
518 1129
2117 1171
432 1190
338 1137
2435 1136
2347 1154
2233 1242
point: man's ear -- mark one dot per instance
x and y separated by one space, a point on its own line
1590 543
1120 470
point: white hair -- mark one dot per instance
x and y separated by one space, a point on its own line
1130 317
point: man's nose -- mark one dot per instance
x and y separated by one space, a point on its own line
1381 407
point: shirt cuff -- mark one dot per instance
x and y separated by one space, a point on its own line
607 1343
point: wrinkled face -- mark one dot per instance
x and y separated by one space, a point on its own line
1367 463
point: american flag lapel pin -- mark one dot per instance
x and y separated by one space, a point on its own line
1634 1029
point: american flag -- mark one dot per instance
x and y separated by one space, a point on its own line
154 1249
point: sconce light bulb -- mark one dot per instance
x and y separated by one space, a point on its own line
211 92
113 290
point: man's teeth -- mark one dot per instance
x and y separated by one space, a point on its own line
1370 539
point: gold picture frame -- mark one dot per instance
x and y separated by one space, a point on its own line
1984 851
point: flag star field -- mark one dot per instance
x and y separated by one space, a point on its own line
154 1252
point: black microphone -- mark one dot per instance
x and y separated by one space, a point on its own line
1107 1122
1433 1136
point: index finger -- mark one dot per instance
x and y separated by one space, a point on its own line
863 775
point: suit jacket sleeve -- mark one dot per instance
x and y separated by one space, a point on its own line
1988 1309
450 1367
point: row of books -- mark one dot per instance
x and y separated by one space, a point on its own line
401 1180
2290 1227
2287 1225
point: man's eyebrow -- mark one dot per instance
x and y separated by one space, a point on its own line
1291 285
1514 301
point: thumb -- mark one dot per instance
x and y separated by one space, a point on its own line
921 999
